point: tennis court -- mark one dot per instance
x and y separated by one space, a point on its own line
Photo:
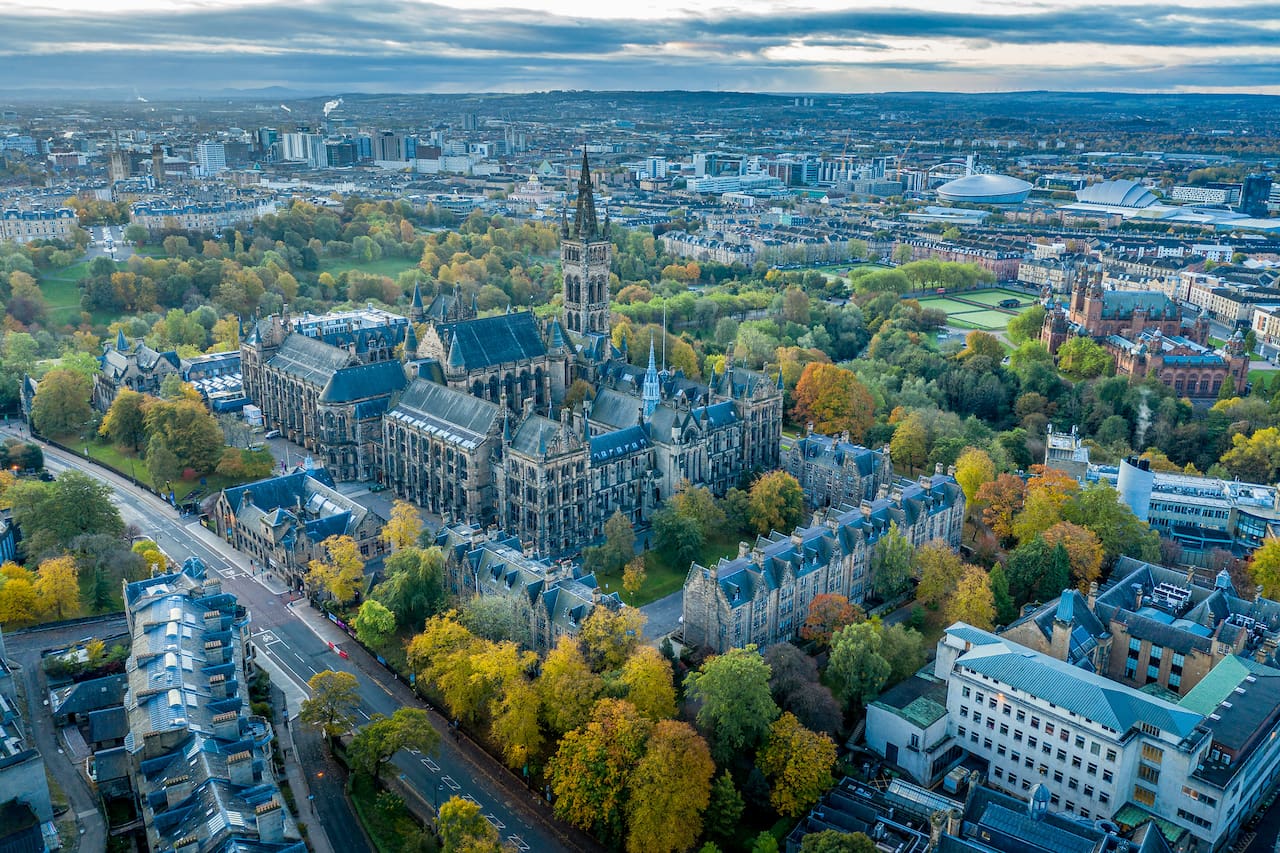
995 297
987 321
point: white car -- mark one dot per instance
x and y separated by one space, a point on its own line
271 433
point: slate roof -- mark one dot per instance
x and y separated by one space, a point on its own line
91 695
108 724
457 417
831 452
534 435
311 360
1123 303
19 829
615 408
622 442
490 341
1091 696
362 381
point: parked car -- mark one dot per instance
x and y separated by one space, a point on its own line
271 433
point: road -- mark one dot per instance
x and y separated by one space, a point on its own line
24 649
293 644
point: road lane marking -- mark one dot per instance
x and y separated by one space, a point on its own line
431 765
448 780
493 819
518 842
470 799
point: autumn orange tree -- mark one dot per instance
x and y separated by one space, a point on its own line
1002 500
828 613
1084 550
834 401
669 790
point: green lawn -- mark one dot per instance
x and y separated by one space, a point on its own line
390 267
995 297
133 465
975 319
664 576
61 289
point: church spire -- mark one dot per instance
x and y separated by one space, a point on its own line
585 226
652 395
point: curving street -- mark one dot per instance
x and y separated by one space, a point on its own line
293 642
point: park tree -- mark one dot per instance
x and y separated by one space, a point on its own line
1001 501
512 699
567 688
162 463
828 613
61 406
904 649
124 423
633 576
463 828
498 618
414 586
1047 495
670 789
857 671
618 548
1026 326
609 636
188 429
341 570
736 706
724 809
1264 567
374 624
833 400
57 588
646 676
51 515
1005 609
382 737
978 343
972 601
1084 550
331 708
835 841
776 503
592 769
1082 358
797 763
909 445
404 527
1122 534
939 569
18 605
1254 458
891 557
974 468
443 654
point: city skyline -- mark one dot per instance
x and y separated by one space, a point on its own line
520 45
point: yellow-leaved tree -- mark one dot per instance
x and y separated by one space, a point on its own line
404 526
340 571
58 588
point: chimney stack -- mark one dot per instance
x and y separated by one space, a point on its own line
215 652
218 686
270 821
240 768
226 726
176 790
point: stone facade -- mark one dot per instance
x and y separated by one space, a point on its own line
281 522
556 600
763 596
325 383
135 368
832 471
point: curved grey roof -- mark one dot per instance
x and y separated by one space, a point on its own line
985 189
1117 194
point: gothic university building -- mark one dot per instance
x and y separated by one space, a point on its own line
1146 335
469 424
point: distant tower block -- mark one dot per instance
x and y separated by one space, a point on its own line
117 166
157 164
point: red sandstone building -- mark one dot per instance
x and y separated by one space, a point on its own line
1146 335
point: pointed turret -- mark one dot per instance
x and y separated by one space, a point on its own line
410 343
456 362
779 378
585 226
121 343
416 311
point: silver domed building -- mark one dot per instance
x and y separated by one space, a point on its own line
985 189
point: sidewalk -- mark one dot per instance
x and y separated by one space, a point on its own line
317 837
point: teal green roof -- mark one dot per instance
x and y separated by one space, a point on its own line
1221 681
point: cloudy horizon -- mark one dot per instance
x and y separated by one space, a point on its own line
525 45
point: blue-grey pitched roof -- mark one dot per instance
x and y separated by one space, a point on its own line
719 415
312 361
533 435
1122 303
622 442
363 381
490 341
1091 696
444 411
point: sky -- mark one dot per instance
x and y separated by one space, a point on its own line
323 46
